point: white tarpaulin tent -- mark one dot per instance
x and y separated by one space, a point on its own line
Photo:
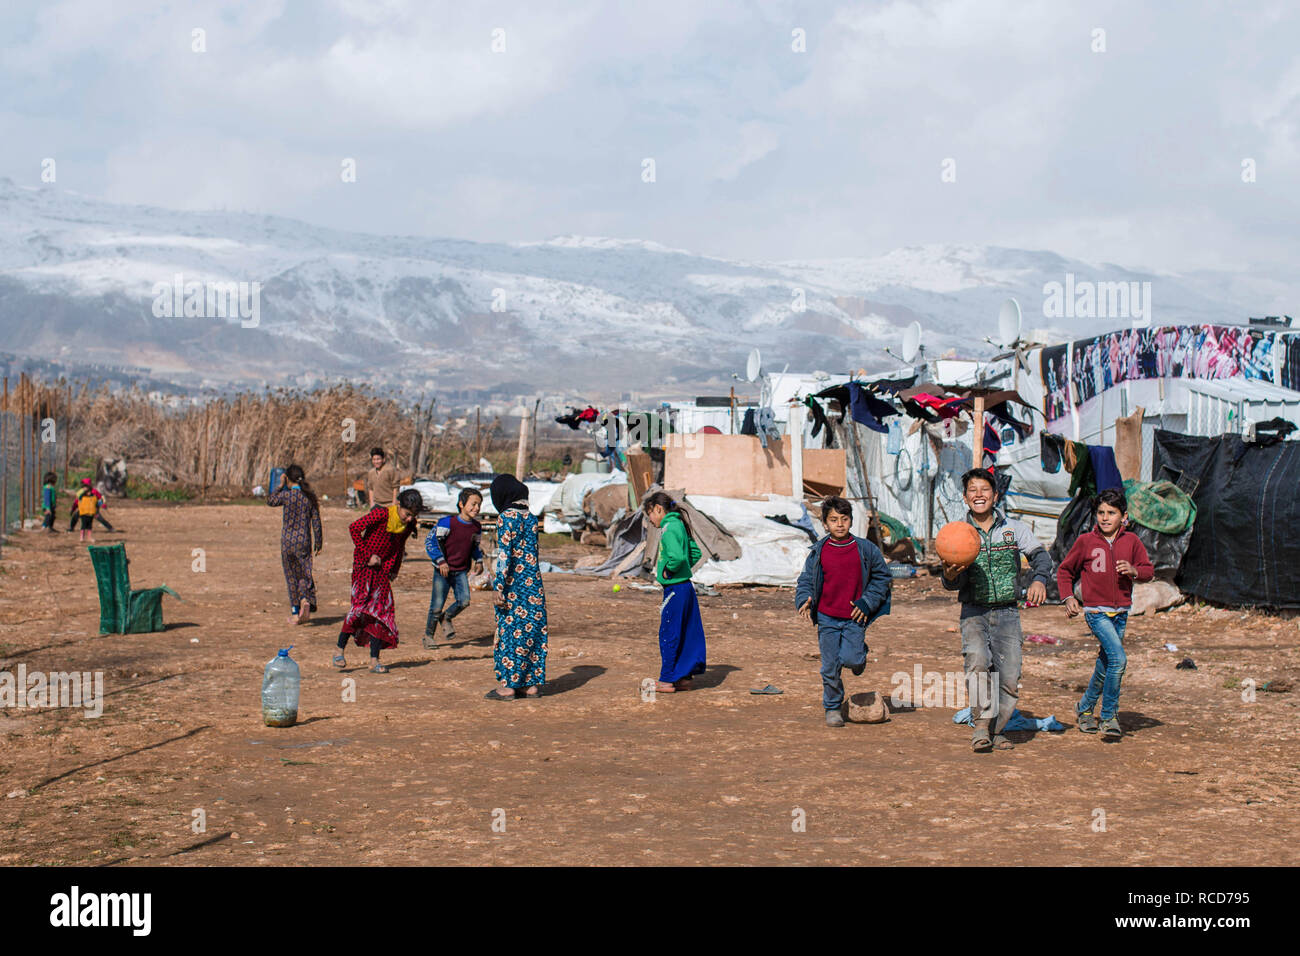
770 552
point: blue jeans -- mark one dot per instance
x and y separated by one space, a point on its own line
991 644
1111 661
843 644
456 582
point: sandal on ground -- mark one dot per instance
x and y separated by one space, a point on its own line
1001 743
529 696
981 743
339 661
683 684
496 694
1110 729
1088 722
662 688
769 689
379 669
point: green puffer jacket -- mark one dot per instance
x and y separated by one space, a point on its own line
678 552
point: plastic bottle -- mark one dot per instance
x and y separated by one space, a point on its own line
280 690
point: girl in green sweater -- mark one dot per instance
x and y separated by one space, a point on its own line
681 633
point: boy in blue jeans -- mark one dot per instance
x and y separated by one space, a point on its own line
1106 561
844 586
452 545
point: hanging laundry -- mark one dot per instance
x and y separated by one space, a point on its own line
866 409
1051 451
820 421
1104 468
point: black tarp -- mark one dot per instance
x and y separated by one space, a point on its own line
1244 549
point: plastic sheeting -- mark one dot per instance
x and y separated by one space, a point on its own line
440 497
566 497
770 552
1243 549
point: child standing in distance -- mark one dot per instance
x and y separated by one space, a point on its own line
48 502
519 651
681 632
844 586
378 539
452 545
300 538
86 505
1106 561
991 639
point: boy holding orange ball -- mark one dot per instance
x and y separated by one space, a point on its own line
991 638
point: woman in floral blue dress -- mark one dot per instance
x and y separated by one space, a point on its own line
519 652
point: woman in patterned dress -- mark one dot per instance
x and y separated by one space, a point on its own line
519 652
378 540
300 538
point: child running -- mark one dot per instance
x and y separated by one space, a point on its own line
991 639
1106 561
452 545
300 538
378 538
843 587
48 491
682 652
519 651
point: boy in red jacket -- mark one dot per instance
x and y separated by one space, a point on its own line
1107 560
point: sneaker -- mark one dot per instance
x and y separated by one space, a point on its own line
1088 722
834 718
448 631
1110 729
430 641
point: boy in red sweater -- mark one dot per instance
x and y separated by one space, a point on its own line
1106 560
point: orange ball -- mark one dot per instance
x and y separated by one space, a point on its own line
957 543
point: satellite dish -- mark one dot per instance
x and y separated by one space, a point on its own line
911 341
1009 324
754 367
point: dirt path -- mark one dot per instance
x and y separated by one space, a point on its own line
419 767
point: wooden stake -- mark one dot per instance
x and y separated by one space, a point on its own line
67 432
4 468
22 450
521 457
977 437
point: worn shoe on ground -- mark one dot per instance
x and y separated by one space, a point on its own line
1110 729
834 718
1088 722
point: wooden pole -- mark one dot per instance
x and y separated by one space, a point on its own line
22 449
521 457
67 432
478 422
794 428
977 437
203 455
4 468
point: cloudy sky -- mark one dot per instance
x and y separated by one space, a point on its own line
1132 155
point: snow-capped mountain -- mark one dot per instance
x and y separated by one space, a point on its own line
81 281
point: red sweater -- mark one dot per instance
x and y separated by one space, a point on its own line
841 577
1092 559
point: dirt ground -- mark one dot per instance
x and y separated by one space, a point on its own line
420 769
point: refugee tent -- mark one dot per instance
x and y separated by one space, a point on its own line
1243 550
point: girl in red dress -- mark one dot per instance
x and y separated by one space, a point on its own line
378 540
